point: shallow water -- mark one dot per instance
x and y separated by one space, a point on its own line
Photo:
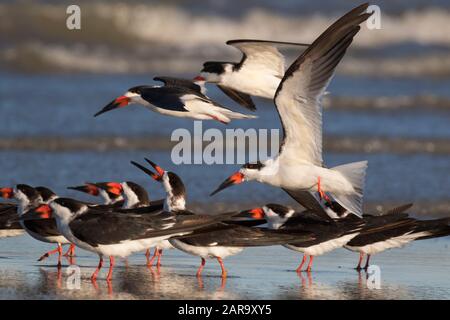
419 271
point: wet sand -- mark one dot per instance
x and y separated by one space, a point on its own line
418 271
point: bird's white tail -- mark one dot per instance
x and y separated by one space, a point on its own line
355 173
236 115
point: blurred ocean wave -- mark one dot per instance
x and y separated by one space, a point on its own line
135 37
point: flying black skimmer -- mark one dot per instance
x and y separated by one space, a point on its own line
216 241
394 229
329 234
298 168
43 230
259 72
116 234
178 99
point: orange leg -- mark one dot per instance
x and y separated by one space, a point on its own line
71 251
200 269
361 257
59 255
95 274
224 271
46 255
322 194
147 255
155 254
158 264
111 267
308 269
217 119
299 269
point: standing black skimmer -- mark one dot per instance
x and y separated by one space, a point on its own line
45 230
329 234
216 241
259 72
113 199
299 168
176 99
117 234
136 197
394 229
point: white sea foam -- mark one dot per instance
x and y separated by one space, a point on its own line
121 37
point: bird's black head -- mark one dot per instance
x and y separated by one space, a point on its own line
258 165
113 189
138 89
29 193
138 191
72 205
46 194
280 210
217 67
176 184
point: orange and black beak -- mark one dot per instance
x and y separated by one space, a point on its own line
40 213
256 213
119 102
235 178
7 193
89 188
114 188
199 79
159 171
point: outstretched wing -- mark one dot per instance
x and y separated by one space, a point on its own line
262 55
298 96
308 201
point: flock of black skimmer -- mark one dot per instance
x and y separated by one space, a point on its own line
126 221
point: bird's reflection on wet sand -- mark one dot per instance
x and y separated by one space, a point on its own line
254 274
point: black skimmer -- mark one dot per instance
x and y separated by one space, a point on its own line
176 99
216 241
116 234
136 197
46 231
95 189
298 168
329 234
394 229
259 72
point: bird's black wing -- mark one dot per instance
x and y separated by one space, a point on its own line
96 227
309 201
178 82
169 98
44 227
240 236
243 99
8 218
298 97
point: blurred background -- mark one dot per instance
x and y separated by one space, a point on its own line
389 102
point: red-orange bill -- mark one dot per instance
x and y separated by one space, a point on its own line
235 178
119 102
7 193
